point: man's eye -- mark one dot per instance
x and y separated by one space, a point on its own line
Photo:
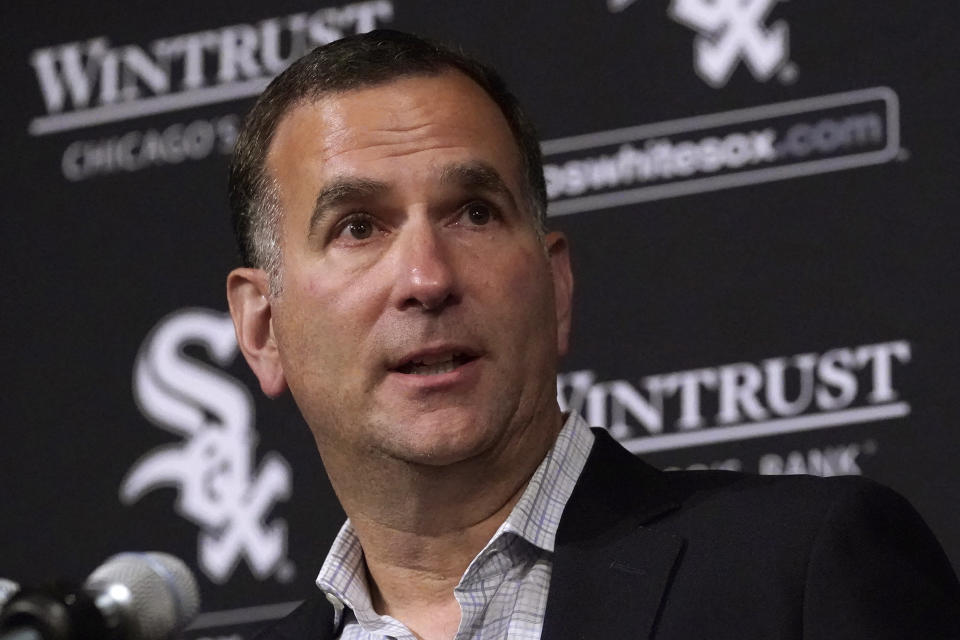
357 228
478 213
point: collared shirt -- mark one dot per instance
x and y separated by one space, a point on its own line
503 592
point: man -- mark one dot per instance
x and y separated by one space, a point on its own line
389 202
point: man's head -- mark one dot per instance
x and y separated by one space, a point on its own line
423 308
354 62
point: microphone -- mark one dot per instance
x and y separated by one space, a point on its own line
131 596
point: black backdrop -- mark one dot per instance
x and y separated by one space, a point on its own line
761 199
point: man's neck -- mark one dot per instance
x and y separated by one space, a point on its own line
420 527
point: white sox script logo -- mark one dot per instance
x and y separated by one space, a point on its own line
213 465
731 30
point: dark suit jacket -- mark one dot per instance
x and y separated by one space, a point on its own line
642 553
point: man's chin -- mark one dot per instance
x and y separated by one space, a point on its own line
441 438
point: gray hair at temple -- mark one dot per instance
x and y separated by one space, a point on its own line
354 62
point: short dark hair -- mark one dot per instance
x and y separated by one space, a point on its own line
353 62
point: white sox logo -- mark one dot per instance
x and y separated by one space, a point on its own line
731 30
213 466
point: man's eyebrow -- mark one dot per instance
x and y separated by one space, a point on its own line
340 191
476 175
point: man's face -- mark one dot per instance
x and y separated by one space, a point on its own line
421 316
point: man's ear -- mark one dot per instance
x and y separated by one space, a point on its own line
249 298
559 253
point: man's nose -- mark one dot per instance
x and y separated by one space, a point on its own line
426 276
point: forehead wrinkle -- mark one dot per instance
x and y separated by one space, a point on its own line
405 148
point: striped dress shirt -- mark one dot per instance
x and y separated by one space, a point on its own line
503 592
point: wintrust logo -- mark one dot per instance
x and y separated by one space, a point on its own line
213 466
92 82
731 31
743 400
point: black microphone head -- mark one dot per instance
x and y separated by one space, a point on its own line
152 595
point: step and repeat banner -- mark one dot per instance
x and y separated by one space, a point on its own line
761 198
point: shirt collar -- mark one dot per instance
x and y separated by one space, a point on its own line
536 516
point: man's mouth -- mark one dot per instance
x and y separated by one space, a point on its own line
434 365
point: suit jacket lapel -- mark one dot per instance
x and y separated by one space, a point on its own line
610 573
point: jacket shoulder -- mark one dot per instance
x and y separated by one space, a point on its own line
839 557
